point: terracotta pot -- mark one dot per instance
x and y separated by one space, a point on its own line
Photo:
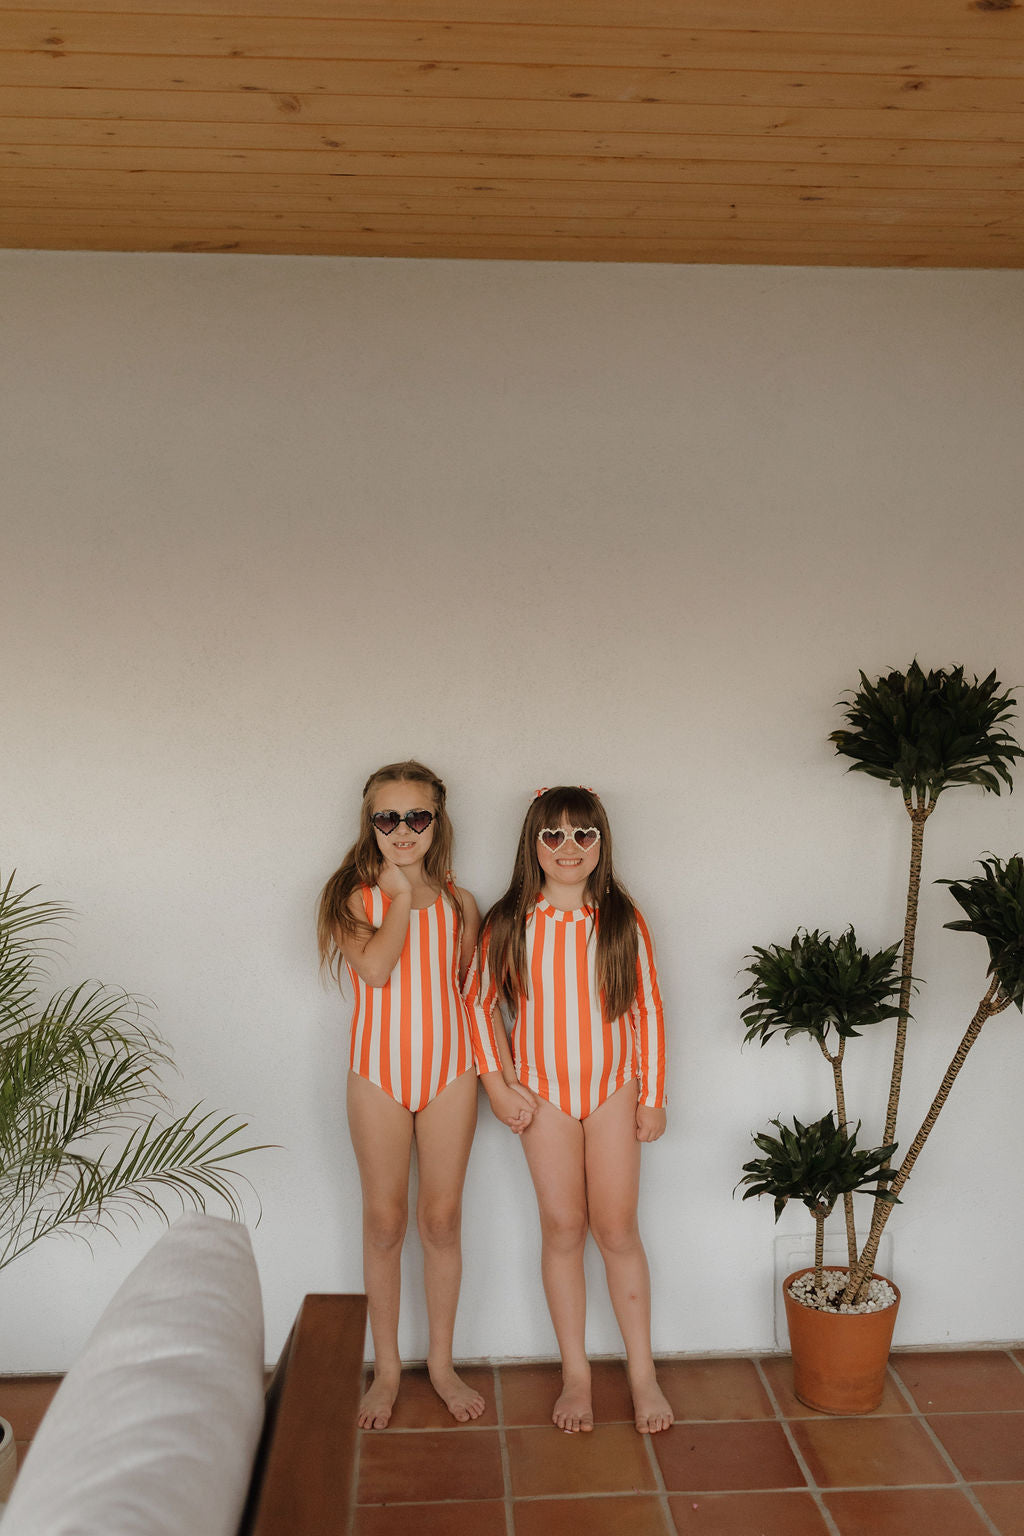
839 1358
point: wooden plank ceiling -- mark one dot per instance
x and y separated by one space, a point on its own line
854 132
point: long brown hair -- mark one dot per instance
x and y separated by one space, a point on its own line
364 861
503 931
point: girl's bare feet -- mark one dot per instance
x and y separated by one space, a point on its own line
378 1400
574 1411
462 1401
651 1408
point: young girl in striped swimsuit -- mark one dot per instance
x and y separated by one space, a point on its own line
405 932
569 958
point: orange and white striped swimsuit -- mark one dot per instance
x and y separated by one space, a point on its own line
562 1045
411 1036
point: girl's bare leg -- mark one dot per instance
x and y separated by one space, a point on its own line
612 1159
444 1135
553 1144
381 1131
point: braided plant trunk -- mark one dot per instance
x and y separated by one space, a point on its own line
819 1252
860 1275
836 1063
918 814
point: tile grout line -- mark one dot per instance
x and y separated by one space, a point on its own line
1017 1364
961 1482
812 1486
506 1464
619 1494
659 1481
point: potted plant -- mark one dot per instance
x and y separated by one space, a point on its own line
84 1136
923 733
838 1358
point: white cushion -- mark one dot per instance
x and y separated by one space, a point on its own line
154 1428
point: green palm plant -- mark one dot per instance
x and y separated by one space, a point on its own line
815 1164
83 1135
828 991
924 733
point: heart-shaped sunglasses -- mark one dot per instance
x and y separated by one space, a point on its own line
387 822
554 837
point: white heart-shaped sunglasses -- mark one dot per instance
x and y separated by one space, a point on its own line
553 837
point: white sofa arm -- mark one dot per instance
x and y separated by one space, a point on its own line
154 1428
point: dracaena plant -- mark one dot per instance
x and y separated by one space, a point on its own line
85 1135
924 733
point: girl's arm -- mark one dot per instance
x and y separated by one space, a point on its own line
510 1100
647 1020
373 959
470 931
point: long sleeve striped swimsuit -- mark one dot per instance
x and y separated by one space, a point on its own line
562 1045
411 1036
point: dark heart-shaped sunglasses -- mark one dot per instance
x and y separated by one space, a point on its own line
387 822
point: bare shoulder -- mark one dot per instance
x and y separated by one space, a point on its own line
470 921
354 941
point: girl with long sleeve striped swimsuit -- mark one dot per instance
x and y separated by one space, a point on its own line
573 967
394 918
563 1046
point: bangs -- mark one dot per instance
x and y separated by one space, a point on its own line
577 806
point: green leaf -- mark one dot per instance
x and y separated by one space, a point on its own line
815 1164
820 987
993 903
925 732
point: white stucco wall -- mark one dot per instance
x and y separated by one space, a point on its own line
269 523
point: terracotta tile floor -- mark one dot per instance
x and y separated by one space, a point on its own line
23 1401
942 1456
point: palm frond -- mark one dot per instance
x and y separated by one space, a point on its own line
191 1156
25 939
83 1140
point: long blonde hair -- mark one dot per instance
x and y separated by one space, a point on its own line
503 932
364 861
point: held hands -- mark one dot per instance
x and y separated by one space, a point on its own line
650 1123
513 1104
